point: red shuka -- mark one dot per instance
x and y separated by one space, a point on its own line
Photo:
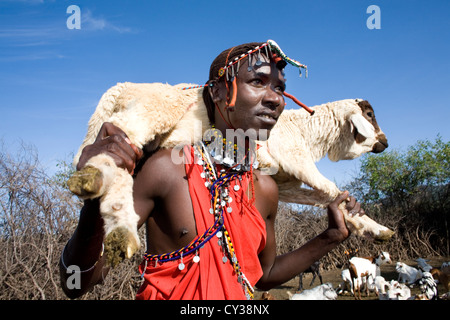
210 278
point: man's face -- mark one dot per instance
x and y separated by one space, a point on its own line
259 100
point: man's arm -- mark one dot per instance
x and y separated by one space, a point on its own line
84 249
279 269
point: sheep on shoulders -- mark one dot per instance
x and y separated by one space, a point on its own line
343 129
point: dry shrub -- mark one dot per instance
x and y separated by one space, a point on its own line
297 225
38 216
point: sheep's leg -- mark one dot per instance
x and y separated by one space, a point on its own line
367 286
300 282
101 178
323 192
320 278
94 179
356 289
313 278
360 225
359 289
121 221
291 192
366 227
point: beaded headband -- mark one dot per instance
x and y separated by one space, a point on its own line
277 54
272 50
280 58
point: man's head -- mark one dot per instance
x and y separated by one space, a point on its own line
245 90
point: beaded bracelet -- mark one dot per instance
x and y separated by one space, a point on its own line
82 271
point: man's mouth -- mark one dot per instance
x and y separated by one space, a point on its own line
268 118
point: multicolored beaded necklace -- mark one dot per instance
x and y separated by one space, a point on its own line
218 184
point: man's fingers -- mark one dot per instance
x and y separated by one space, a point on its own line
108 129
340 198
113 140
138 152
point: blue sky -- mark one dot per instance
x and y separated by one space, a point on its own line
52 77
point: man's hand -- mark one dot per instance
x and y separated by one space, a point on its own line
336 221
113 141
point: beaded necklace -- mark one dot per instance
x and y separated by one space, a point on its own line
218 184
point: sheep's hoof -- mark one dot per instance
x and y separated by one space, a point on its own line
379 237
86 182
120 244
384 235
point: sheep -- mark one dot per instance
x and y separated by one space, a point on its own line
423 265
366 269
342 130
380 285
347 283
361 270
442 276
428 286
396 291
266 295
407 274
172 116
323 292
315 270
143 111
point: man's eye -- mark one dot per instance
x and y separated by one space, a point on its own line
257 81
280 88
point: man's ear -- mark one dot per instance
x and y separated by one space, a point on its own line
217 91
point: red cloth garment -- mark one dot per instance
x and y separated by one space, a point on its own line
210 278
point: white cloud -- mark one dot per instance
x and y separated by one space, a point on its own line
91 23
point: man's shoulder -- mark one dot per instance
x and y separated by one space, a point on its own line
164 160
267 186
266 181
161 167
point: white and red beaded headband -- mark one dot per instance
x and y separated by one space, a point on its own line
271 46
275 53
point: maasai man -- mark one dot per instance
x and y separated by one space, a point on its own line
209 220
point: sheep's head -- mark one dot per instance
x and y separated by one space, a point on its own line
383 258
368 113
362 133
329 292
399 266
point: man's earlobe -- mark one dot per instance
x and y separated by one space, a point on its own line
215 92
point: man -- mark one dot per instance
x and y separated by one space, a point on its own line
210 223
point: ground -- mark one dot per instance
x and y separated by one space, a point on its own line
334 276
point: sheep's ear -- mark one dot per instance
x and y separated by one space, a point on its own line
363 126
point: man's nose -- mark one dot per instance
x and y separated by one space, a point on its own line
273 99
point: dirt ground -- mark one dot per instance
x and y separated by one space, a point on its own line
334 276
